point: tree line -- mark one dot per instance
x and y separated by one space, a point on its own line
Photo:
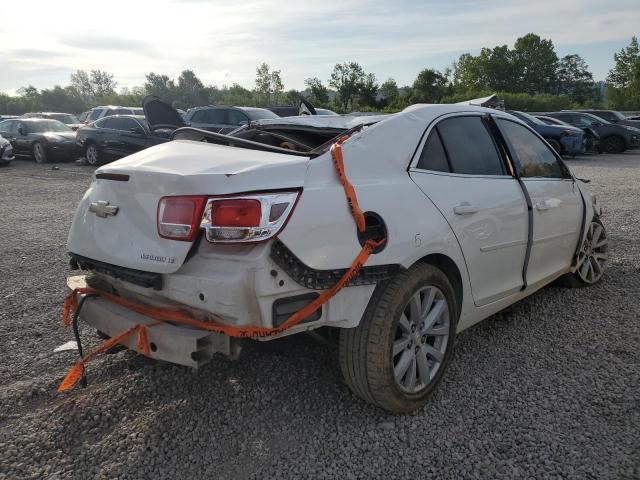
528 76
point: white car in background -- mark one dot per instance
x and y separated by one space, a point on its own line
475 211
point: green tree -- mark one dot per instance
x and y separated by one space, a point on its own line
190 90
368 94
390 93
622 73
103 83
574 79
536 62
429 87
160 85
347 78
277 87
319 93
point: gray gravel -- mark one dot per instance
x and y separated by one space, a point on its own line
547 389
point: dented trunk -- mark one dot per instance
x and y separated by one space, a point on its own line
116 221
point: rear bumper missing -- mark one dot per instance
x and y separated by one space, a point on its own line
171 343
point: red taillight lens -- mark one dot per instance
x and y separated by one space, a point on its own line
179 217
236 213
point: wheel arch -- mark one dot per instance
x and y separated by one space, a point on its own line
451 270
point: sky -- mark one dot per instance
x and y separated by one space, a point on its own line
224 41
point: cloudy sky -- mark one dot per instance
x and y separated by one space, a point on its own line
223 41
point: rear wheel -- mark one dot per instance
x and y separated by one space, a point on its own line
92 154
591 258
555 144
613 144
397 355
39 153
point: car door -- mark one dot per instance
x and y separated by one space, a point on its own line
555 198
109 134
460 168
22 140
133 137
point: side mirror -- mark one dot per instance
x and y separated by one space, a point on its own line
243 123
22 131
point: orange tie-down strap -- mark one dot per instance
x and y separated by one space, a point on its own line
178 317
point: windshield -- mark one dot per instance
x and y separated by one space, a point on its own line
595 119
66 118
95 113
47 126
259 113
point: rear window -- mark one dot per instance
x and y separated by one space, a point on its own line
433 156
469 146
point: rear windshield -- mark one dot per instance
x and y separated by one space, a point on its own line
47 126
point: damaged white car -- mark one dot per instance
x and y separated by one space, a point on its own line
466 210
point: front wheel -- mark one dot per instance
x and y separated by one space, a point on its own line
398 354
39 153
591 258
92 155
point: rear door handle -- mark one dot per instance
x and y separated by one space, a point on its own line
464 209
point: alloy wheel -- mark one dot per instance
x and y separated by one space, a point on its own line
38 153
92 155
593 254
421 339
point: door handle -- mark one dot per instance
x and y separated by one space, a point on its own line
465 209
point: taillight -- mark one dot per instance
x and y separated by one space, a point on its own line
179 217
247 218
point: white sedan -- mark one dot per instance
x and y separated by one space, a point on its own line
466 210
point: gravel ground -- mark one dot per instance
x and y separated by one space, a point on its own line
547 389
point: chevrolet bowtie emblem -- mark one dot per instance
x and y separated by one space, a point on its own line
102 208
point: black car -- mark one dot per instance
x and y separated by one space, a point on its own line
117 136
613 138
593 139
40 138
224 119
613 116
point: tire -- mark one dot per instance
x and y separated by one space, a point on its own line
39 153
591 259
367 360
92 154
613 144
555 144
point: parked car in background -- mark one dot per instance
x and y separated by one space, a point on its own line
295 111
634 118
106 111
6 151
613 138
593 139
612 116
224 119
467 209
67 118
566 140
117 136
6 117
83 116
40 138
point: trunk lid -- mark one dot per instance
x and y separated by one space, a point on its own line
128 236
